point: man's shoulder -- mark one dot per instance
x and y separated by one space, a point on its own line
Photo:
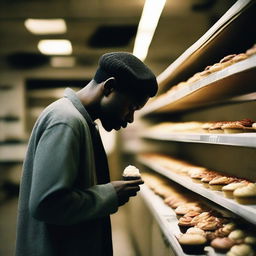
62 111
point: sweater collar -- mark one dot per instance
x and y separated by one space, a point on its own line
71 95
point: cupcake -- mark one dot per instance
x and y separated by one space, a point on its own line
251 51
194 230
237 235
205 181
218 182
246 194
250 240
197 174
185 223
229 189
229 226
222 245
241 250
192 243
185 208
131 173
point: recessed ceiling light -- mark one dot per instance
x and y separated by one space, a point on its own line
46 26
148 22
55 47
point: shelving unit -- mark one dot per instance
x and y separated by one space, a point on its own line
209 90
220 91
241 139
246 212
167 220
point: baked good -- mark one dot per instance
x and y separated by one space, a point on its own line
221 232
227 60
229 189
246 194
197 174
239 57
218 182
241 250
185 223
229 226
205 181
251 240
236 128
237 235
215 67
210 224
192 243
184 208
131 173
195 230
251 51
222 244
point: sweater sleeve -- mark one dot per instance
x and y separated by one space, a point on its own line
53 198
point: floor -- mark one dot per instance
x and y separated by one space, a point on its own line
121 241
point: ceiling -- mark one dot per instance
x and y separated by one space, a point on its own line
98 26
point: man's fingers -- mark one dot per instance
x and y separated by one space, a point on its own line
134 182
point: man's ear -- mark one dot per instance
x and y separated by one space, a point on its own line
109 86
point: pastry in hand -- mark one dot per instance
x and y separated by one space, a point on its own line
131 173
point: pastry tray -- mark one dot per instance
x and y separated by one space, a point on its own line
247 212
237 79
168 222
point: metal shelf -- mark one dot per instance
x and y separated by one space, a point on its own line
167 220
237 79
248 212
241 139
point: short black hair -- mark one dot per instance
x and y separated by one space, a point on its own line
129 71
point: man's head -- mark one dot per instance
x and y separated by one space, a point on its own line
128 84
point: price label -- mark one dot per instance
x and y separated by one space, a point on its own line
214 138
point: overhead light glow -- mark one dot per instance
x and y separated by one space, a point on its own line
62 62
148 22
55 47
46 26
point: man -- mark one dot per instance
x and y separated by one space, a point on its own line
66 196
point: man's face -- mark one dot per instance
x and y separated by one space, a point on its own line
117 109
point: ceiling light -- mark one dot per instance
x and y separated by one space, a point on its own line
62 62
46 26
149 19
55 47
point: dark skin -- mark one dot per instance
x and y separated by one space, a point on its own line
114 109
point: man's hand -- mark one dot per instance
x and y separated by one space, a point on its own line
126 189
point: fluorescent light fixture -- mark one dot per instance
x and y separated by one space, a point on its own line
46 26
55 47
149 19
62 62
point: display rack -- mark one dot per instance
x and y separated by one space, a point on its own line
209 90
217 41
167 220
244 211
241 139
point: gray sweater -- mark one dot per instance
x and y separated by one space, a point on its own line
62 210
